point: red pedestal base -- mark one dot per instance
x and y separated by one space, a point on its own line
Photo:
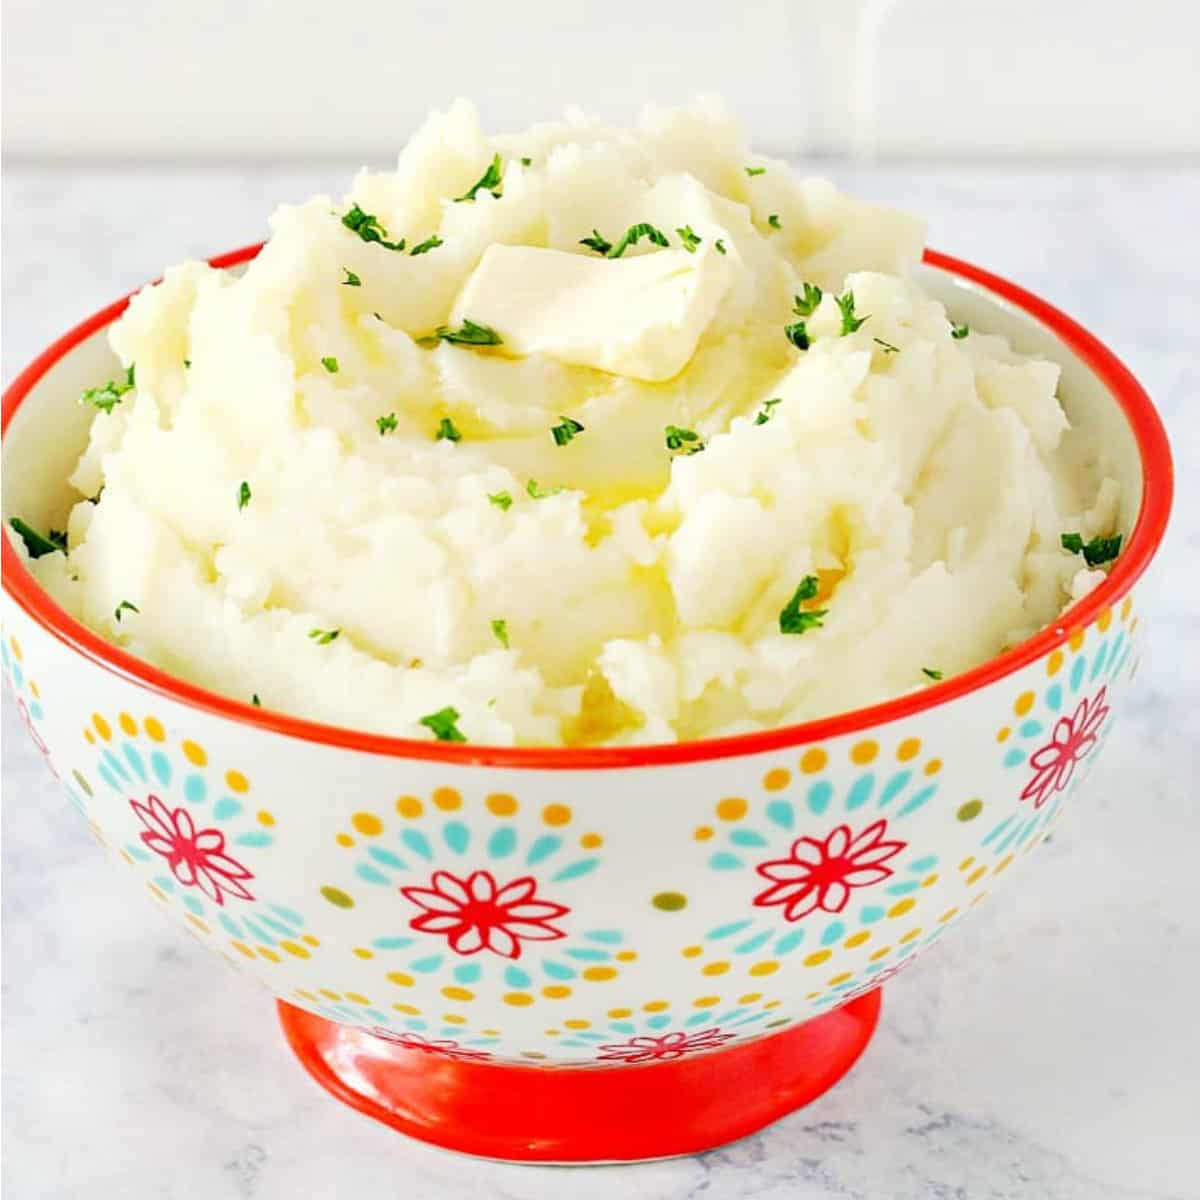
583 1114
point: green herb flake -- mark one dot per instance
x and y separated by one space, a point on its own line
187 362
1095 553
527 162
470 334
447 431
764 416
806 305
752 171
430 243
850 323
489 181
500 630
368 228
386 424
539 493
36 543
597 242
689 237
794 619
444 725
930 673
255 700
106 398
887 347
124 607
502 500
563 433
243 495
719 245
324 636
330 364
687 440
633 235
351 279
774 222
958 332
797 334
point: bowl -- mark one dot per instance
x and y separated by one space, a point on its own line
582 954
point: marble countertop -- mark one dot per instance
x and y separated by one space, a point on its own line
1050 1049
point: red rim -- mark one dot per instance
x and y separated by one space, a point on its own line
1157 489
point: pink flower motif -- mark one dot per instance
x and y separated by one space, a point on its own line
196 858
648 1048
441 1047
476 915
31 729
820 874
873 981
1074 738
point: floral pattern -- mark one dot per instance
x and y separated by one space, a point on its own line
196 857
475 914
819 873
1073 738
438 1047
647 1048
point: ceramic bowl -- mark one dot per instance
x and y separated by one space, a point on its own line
582 953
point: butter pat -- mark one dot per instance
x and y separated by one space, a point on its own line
640 316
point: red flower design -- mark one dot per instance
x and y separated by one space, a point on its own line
442 1047
821 874
1074 738
647 1048
31 728
873 981
196 858
475 914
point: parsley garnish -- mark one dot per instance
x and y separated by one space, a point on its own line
470 334
793 619
488 181
597 242
958 332
351 279
527 162
187 362
1096 552
687 440
430 243
773 221
125 606
255 700
806 305
563 433
539 493
502 500
324 636
500 629
850 323
367 226
931 673
764 416
447 431
720 245
633 235
106 398
36 543
243 495
386 424
444 725
888 348
797 334
330 364
752 171
689 237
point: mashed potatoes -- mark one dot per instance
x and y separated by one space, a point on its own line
579 435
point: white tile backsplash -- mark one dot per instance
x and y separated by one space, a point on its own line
230 79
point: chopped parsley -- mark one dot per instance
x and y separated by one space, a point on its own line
488 181
687 440
539 493
958 332
430 243
351 279
125 606
367 226
689 237
500 629
187 362
330 364
806 305
444 725
563 433
764 416
774 222
527 162
36 543
447 431
797 334
106 398
1096 552
470 334
633 235
720 245
324 636
752 171
887 347
930 673
597 242
794 619
386 424
502 500
850 323
243 495
255 700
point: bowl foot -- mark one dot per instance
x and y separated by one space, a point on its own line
582 1114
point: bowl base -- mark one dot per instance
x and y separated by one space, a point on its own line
582 1114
